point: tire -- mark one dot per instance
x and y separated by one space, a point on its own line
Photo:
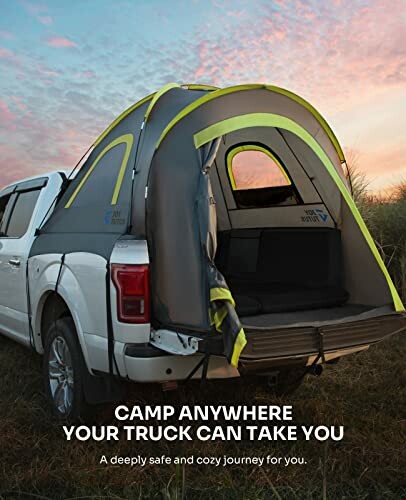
64 370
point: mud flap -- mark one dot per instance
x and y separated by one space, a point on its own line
103 389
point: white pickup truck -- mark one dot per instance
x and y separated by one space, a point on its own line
62 312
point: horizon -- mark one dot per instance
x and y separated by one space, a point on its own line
67 71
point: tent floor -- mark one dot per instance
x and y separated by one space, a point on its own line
310 317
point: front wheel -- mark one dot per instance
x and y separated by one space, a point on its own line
63 370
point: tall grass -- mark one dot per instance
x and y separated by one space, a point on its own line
385 216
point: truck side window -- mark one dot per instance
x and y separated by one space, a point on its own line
21 215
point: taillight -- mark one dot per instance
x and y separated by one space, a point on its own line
132 285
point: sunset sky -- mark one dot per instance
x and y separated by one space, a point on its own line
68 68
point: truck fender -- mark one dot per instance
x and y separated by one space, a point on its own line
76 293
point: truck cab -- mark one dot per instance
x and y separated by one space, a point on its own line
23 207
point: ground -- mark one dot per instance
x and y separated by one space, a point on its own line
365 393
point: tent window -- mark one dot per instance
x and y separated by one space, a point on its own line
99 188
258 178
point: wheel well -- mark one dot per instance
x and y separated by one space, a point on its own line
54 308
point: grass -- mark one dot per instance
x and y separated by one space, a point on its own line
365 393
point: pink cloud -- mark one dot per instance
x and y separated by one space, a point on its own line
331 59
383 167
18 103
340 57
36 8
46 71
235 13
46 20
7 117
7 35
87 74
309 15
39 11
5 53
59 42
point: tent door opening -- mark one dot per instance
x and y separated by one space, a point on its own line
278 246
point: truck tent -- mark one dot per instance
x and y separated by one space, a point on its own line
241 196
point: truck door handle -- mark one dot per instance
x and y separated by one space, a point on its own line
14 262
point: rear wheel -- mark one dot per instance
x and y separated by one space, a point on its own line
63 370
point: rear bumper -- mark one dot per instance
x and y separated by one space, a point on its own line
153 365
269 347
265 349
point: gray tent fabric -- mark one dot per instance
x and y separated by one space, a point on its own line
92 212
149 178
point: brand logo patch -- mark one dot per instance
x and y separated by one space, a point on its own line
113 217
315 215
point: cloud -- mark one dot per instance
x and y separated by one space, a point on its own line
35 8
46 71
7 117
6 53
59 42
383 168
18 103
39 11
87 74
16 161
336 55
45 20
7 35
330 54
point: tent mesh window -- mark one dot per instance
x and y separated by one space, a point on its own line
258 178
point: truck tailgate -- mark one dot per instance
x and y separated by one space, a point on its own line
281 342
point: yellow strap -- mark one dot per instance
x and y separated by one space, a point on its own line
240 343
221 294
272 120
217 318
